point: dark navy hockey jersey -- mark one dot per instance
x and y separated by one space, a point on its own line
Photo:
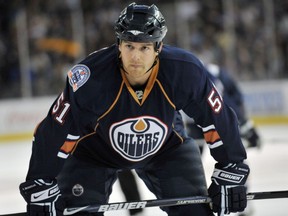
99 117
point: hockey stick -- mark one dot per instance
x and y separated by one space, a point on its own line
167 202
161 203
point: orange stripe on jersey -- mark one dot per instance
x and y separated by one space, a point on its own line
68 146
168 99
148 87
211 136
113 104
81 140
151 81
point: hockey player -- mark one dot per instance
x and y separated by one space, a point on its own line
117 112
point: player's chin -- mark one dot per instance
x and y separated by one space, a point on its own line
136 71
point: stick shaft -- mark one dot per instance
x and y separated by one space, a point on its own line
161 203
139 204
267 195
168 202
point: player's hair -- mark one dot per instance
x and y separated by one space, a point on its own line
141 23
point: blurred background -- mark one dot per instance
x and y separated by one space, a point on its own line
41 40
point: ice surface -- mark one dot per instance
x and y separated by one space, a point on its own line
268 165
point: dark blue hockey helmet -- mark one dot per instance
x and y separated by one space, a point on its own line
141 23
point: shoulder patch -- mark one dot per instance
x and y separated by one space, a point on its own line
78 76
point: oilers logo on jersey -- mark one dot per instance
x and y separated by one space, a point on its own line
137 138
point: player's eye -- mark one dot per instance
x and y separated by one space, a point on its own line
128 46
145 48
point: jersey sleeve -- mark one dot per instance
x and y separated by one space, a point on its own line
54 139
218 121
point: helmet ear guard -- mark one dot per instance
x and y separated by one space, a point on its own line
157 46
141 23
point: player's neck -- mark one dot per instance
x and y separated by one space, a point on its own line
138 81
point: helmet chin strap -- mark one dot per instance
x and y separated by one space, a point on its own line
154 63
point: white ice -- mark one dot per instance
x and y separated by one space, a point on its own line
268 173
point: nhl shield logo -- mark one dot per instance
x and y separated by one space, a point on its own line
137 138
78 76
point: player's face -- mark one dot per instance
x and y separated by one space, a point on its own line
137 59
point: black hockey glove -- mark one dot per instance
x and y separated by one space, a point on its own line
249 133
227 190
43 197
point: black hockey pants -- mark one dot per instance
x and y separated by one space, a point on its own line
175 173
